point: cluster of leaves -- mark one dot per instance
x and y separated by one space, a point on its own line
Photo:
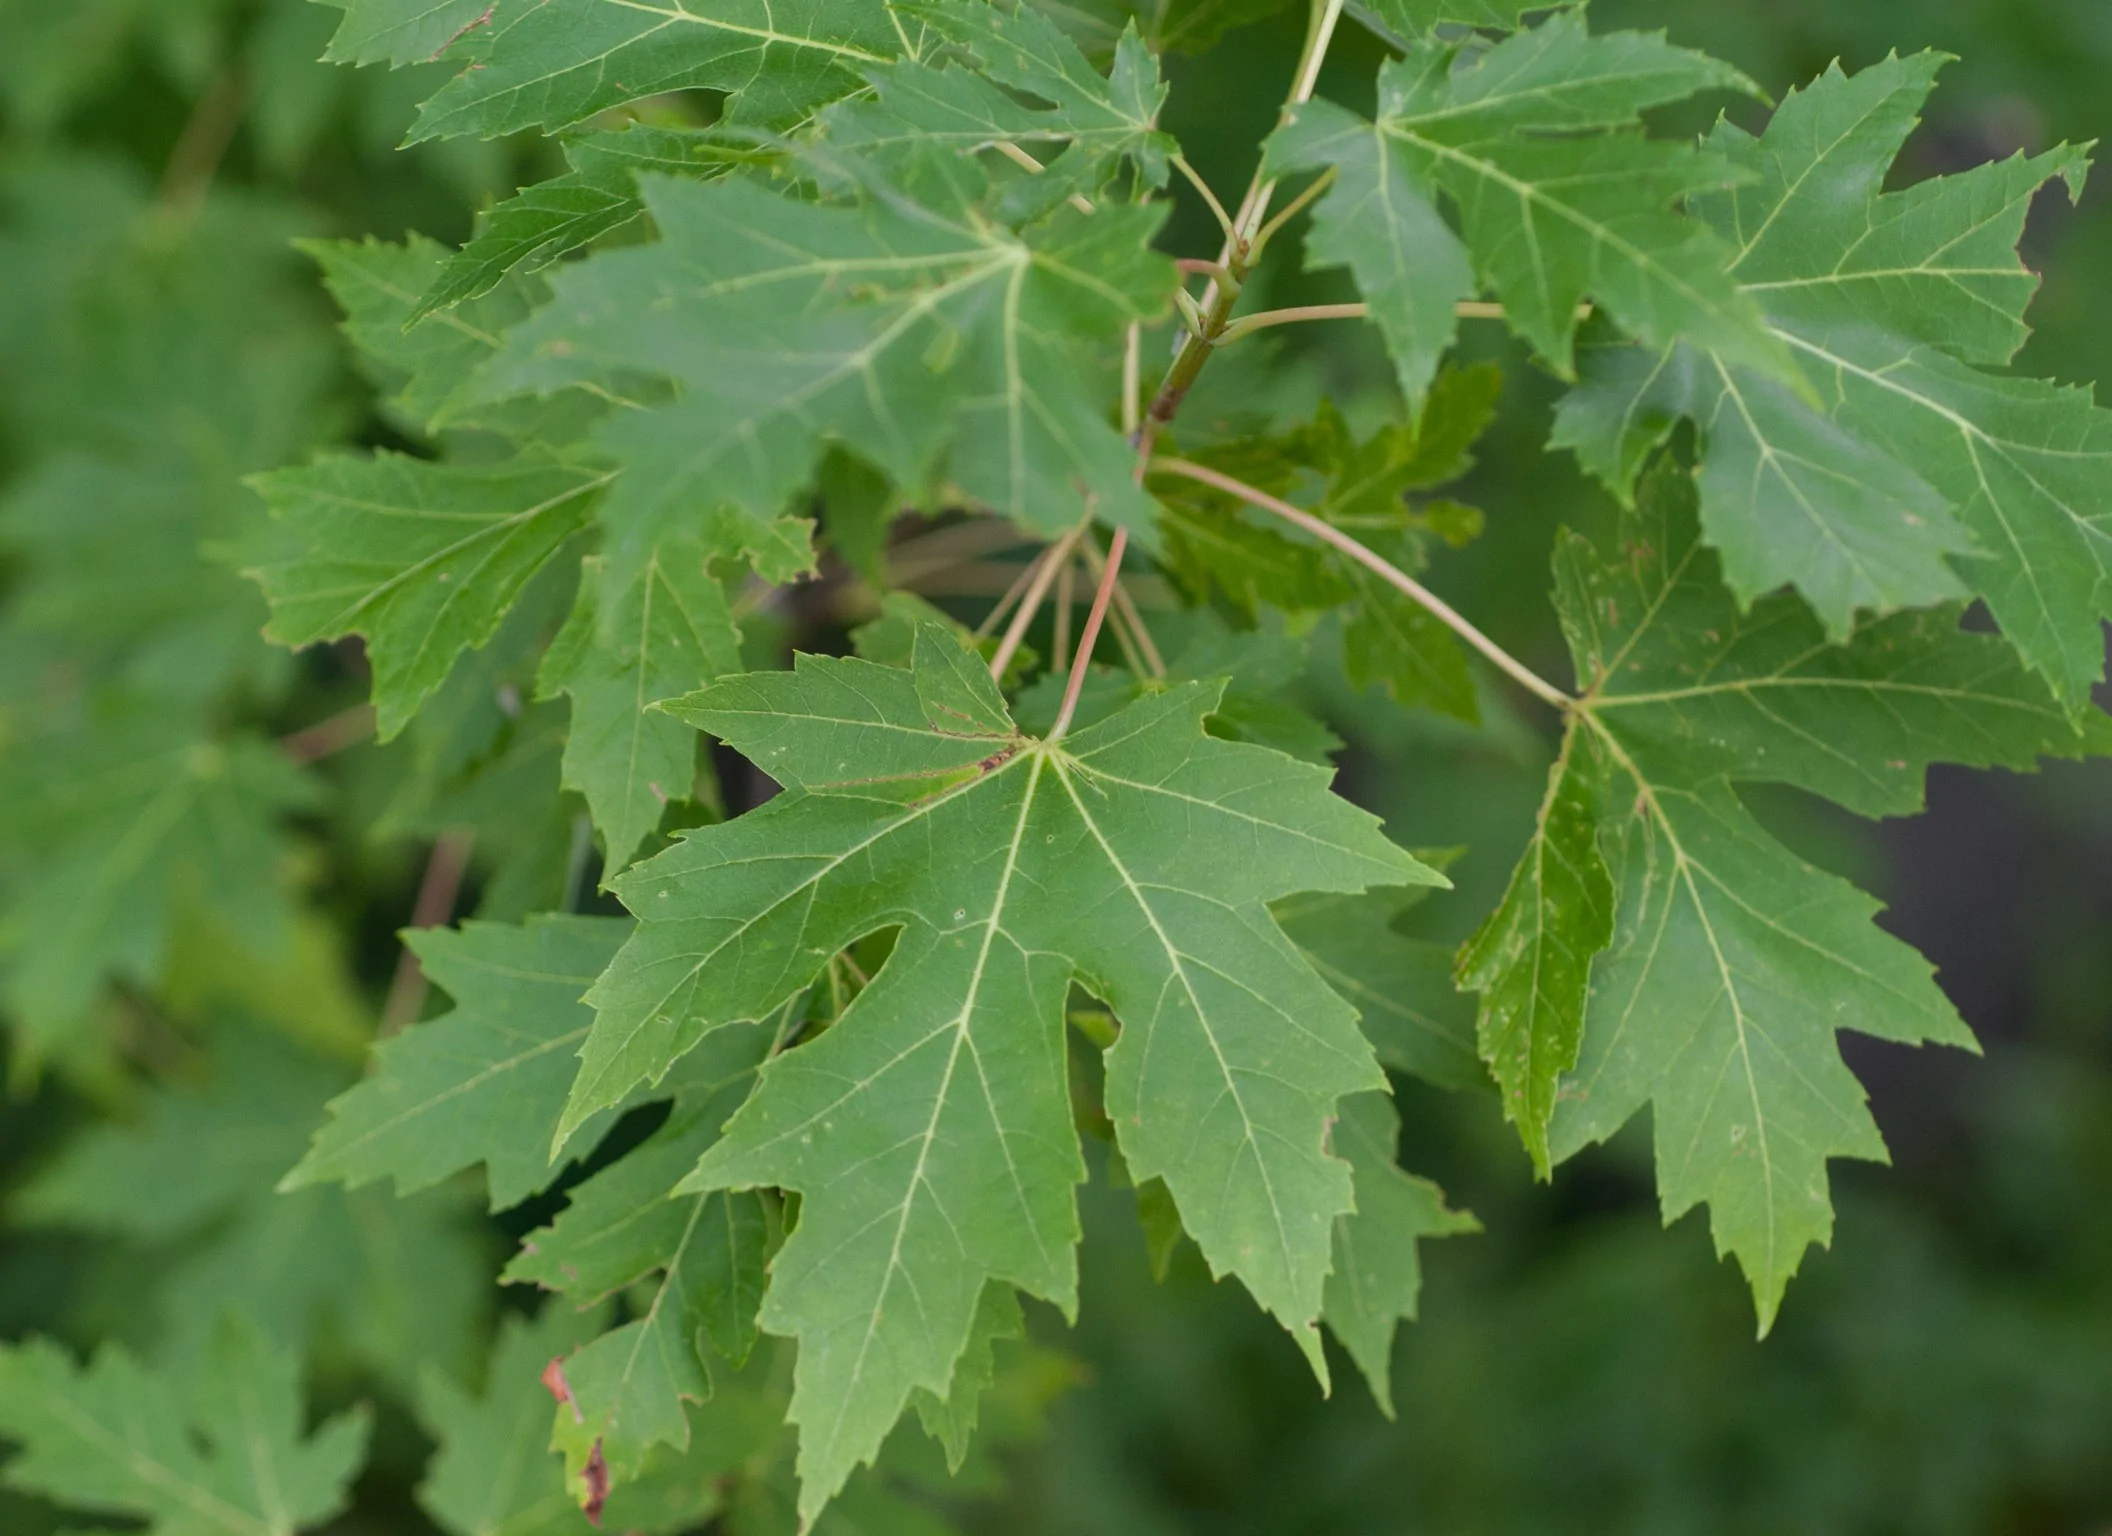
802 1099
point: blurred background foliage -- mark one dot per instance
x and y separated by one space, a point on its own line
1947 1369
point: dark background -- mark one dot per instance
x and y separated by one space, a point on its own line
1946 1368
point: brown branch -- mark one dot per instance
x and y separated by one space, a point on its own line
346 728
1086 641
1385 570
437 891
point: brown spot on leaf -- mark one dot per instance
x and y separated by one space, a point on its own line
554 1379
596 1479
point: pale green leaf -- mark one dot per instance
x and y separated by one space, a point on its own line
1732 963
951 1419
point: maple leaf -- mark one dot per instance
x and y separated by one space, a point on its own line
428 366
398 32
942 1089
1415 1019
554 64
1731 962
483 1083
1559 197
1911 476
223 1457
900 327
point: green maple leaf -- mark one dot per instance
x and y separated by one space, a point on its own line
1012 51
929 1128
669 632
559 62
598 196
901 327
1912 476
428 366
1731 962
485 1082
1377 1276
422 559
951 1419
222 1457
1559 196
626 1389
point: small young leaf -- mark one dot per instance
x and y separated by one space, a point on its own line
1531 958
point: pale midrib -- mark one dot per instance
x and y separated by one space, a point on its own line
1684 868
764 35
1605 701
454 1091
961 1028
1202 1017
